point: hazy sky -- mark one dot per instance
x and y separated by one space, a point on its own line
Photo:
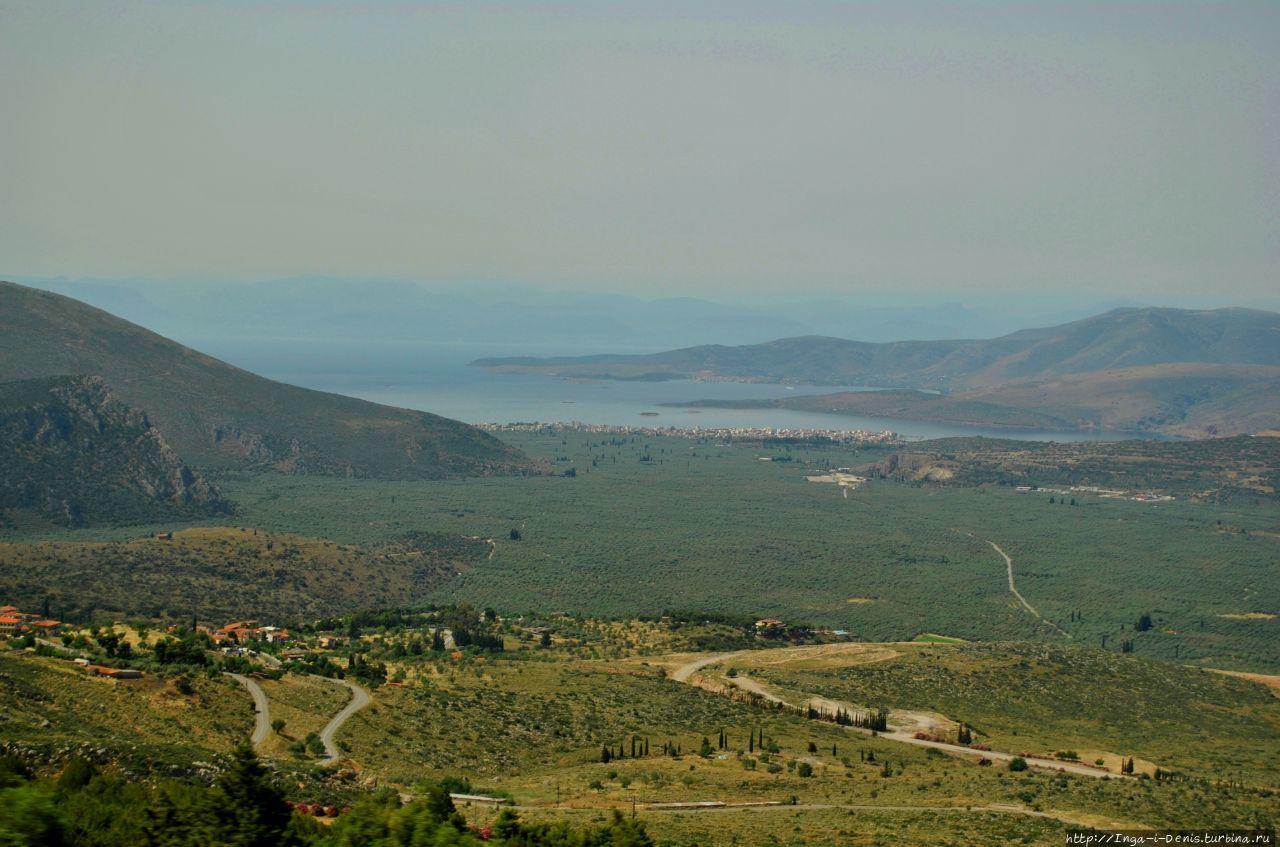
1115 149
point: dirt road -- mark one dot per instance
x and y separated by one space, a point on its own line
1075 819
685 672
1023 600
904 724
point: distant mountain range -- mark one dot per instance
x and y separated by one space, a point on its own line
214 415
527 318
1176 371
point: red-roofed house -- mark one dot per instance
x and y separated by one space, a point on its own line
272 635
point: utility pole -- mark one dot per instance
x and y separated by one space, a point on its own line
557 793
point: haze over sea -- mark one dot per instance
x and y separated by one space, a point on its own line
437 378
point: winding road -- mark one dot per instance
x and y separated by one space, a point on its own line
262 708
359 699
262 724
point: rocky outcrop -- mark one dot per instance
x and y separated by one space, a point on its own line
72 453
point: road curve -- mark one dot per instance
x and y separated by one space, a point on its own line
686 671
262 724
359 699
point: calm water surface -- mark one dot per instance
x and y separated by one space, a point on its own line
438 379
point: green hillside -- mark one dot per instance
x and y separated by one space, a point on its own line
225 573
214 414
73 455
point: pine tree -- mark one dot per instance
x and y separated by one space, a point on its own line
254 813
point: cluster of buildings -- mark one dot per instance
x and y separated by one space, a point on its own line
109 673
827 436
14 622
244 632
1111 493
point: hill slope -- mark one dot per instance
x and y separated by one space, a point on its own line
225 573
216 414
1122 338
73 454
1191 373
1186 400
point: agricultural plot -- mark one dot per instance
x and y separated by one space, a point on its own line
648 524
651 524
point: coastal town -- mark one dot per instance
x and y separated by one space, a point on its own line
805 435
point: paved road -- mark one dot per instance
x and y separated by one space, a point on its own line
262 726
686 671
359 699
